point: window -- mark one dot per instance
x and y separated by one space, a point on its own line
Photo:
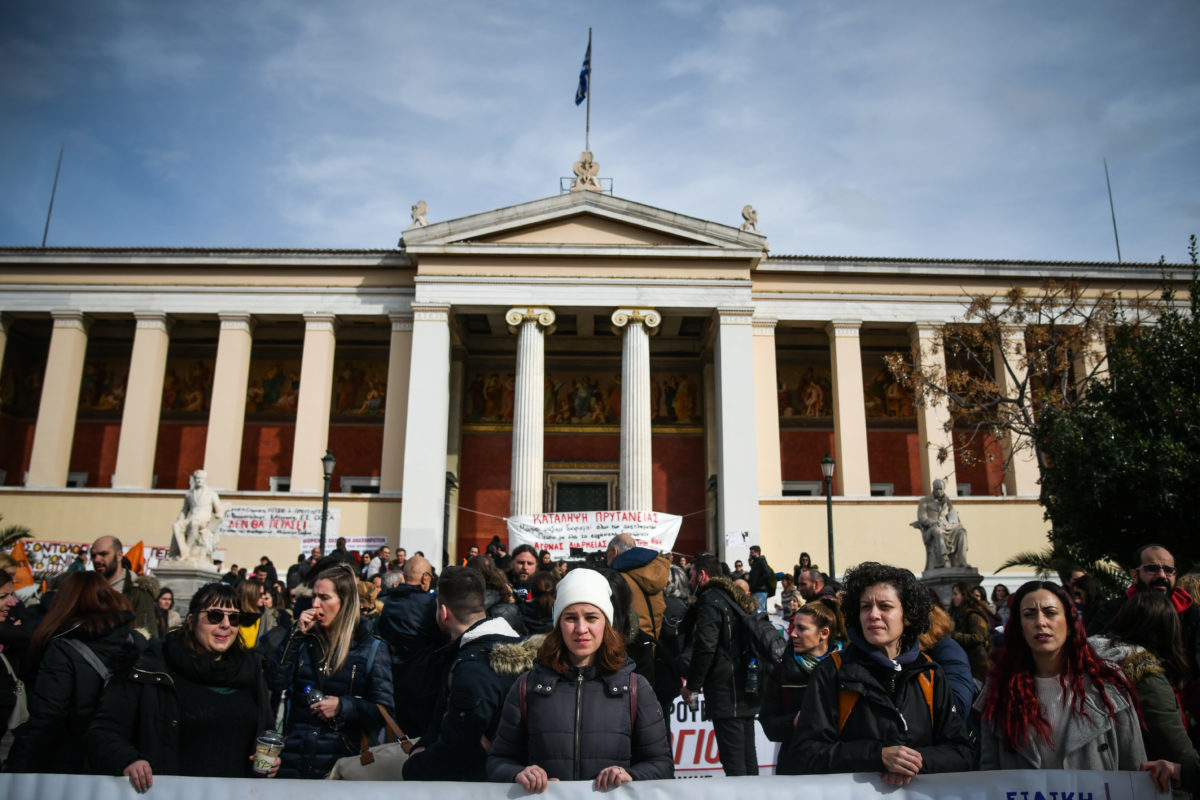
280 483
964 490
803 489
883 489
362 484
581 486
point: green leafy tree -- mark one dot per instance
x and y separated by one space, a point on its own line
1123 464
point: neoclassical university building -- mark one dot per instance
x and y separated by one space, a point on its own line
577 352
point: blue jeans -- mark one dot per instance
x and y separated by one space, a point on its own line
761 597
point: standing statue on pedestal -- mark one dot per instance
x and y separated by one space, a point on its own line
945 538
194 534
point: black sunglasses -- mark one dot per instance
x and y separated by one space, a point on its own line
215 615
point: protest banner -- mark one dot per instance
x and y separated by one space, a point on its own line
278 521
572 535
1049 784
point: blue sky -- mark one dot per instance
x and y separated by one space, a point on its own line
912 129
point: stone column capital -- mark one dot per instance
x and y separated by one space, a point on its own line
431 312
154 320
924 330
838 328
518 315
401 322
734 315
764 326
648 317
71 318
320 321
237 321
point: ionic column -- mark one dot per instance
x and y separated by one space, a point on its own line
395 412
143 402
853 475
227 415
766 408
1020 466
935 428
315 402
49 463
421 515
637 488
528 406
737 451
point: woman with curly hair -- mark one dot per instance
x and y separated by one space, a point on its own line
972 627
817 630
881 705
1051 702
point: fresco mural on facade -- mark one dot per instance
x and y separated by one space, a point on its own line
583 398
102 387
883 396
274 386
187 385
805 391
359 387
21 382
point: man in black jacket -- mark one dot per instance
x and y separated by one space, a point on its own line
472 695
716 667
408 624
762 578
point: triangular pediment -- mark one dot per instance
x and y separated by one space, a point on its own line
580 221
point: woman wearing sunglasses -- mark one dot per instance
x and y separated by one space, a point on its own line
193 703
337 675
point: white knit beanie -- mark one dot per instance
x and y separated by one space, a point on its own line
582 585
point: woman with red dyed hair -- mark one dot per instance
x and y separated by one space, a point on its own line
1050 702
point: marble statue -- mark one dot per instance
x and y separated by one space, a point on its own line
587 173
194 534
751 217
419 210
944 536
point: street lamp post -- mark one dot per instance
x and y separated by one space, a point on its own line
827 465
327 464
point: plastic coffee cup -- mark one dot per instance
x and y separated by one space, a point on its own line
267 748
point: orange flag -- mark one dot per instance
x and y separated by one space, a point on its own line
24 576
137 558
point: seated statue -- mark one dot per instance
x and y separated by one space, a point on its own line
194 534
945 538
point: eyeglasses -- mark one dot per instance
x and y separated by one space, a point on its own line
1154 569
215 615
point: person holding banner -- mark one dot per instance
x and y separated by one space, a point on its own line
581 713
881 705
1050 701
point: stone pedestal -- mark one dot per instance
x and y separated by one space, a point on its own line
184 579
943 580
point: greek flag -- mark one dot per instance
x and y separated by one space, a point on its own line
585 75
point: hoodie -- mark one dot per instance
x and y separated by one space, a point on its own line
647 574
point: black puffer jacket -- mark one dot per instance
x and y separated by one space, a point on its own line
66 697
890 710
575 726
139 716
782 695
712 629
407 624
313 744
484 662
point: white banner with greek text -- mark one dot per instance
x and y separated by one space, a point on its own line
278 521
1013 785
571 535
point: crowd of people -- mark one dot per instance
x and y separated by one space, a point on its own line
512 667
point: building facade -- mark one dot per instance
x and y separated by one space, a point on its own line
577 352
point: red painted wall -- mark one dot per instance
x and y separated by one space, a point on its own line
801 452
16 445
893 457
358 449
94 451
266 451
986 473
180 452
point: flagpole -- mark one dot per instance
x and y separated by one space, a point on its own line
587 131
54 189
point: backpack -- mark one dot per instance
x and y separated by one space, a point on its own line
772 579
847 698
757 638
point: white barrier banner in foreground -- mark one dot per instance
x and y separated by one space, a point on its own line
1014 785
571 534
